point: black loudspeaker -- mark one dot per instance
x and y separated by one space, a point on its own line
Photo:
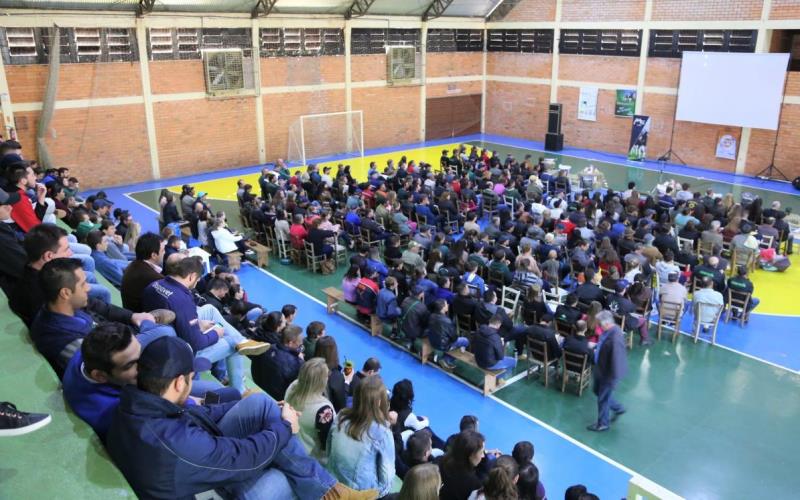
554 119
796 183
554 142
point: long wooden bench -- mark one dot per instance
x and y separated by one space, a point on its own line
261 251
489 376
335 295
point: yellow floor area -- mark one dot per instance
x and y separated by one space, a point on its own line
777 290
225 188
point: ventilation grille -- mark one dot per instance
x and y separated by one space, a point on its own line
401 65
375 41
673 43
78 45
224 71
601 42
277 42
444 40
539 41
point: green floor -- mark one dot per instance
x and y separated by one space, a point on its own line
62 460
700 418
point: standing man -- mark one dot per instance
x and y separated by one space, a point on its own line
611 364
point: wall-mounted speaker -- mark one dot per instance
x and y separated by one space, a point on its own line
554 119
554 142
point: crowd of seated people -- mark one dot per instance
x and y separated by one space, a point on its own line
177 344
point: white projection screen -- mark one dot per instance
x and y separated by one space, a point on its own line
742 90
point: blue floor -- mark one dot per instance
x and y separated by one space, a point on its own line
444 400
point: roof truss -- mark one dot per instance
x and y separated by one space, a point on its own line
262 8
436 9
358 8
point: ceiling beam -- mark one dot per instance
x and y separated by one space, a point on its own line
262 8
358 8
145 7
501 10
436 9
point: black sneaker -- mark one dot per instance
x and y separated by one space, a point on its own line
15 423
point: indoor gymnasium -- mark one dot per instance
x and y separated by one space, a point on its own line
399 249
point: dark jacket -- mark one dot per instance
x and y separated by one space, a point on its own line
137 276
579 345
589 292
12 264
170 214
458 485
387 308
57 336
337 390
414 318
26 300
441 331
625 308
567 314
274 370
169 294
463 305
172 452
548 335
612 358
487 347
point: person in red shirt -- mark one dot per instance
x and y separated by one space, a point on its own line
24 213
297 233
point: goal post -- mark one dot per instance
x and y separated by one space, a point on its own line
325 135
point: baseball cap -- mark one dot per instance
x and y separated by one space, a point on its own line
7 198
101 203
168 357
201 194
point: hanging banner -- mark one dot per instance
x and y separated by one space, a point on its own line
637 149
587 104
726 146
626 103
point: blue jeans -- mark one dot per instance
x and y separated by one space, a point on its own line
753 303
291 473
507 363
254 313
225 348
605 400
457 344
149 331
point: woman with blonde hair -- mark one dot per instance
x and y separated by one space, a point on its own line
422 482
306 395
361 445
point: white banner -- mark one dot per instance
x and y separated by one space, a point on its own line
587 104
726 147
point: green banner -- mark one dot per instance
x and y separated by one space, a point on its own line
626 103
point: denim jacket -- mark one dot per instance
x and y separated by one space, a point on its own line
364 464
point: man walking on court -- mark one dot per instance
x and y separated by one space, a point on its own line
611 364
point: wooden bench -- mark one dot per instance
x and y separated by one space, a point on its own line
262 252
234 260
426 351
489 376
334 296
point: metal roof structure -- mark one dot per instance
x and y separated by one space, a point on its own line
416 8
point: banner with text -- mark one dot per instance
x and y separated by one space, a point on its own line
587 104
637 149
626 103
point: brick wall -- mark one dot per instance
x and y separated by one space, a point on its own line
368 67
205 134
785 9
91 142
662 72
533 10
606 69
454 64
448 89
171 77
517 110
75 81
706 10
288 71
602 10
391 114
525 65
608 133
282 110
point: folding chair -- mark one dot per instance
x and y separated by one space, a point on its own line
699 308
738 301
313 261
576 367
669 316
510 300
538 356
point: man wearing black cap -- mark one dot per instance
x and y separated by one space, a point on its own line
246 449
620 305
12 265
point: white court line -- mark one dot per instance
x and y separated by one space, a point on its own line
513 379
548 427
642 167
516 410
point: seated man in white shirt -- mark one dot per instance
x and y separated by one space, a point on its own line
673 291
710 301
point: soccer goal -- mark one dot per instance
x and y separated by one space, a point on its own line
320 136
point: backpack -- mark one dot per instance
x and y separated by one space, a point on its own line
366 298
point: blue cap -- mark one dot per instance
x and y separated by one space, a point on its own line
168 357
418 290
101 203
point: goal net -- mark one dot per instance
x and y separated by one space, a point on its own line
315 138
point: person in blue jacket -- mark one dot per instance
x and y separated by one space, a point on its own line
247 449
387 309
105 363
111 269
204 328
489 350
610 365
275 369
